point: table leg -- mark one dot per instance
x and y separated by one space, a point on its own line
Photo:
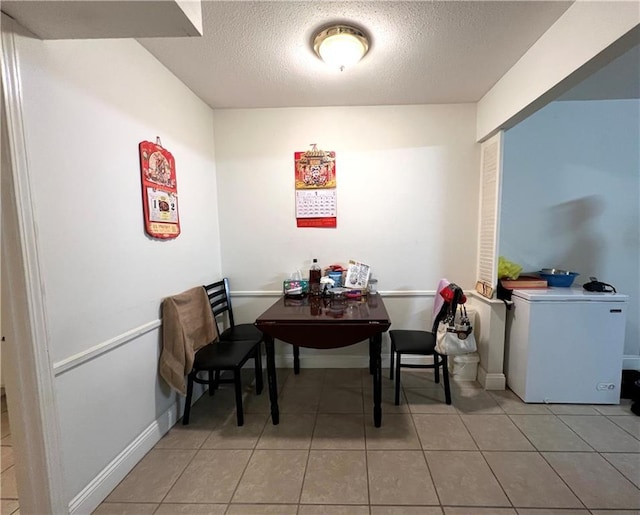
273 381
371 360
375 345
296 359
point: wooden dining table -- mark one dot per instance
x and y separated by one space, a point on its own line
319 322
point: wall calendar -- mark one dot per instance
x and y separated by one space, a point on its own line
316 199
159 190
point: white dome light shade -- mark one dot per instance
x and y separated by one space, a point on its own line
341 46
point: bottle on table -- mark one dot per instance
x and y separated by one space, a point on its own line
315 272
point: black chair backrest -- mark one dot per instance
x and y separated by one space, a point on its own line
220 299
442 314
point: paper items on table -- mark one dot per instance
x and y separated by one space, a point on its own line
357 275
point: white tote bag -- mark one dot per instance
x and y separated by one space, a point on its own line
454 339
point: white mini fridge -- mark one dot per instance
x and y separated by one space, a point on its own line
565 345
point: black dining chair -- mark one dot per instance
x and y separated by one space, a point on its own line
236 345
420 343
219 294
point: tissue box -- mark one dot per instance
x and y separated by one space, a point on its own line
295 287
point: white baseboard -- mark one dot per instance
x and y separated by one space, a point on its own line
630 362
493 381
100 487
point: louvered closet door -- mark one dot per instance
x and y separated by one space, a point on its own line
490 193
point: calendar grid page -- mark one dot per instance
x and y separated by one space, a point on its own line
316 203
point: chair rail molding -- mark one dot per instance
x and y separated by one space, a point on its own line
62 366
388 293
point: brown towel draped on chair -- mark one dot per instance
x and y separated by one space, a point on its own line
187 326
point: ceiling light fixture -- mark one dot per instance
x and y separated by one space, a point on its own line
340 46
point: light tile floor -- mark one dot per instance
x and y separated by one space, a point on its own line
488 453
8 490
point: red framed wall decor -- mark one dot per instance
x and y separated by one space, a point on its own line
159 190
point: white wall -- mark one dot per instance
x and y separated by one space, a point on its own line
87 105
407 181
570 196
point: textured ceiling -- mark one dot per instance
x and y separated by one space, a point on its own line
258 54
